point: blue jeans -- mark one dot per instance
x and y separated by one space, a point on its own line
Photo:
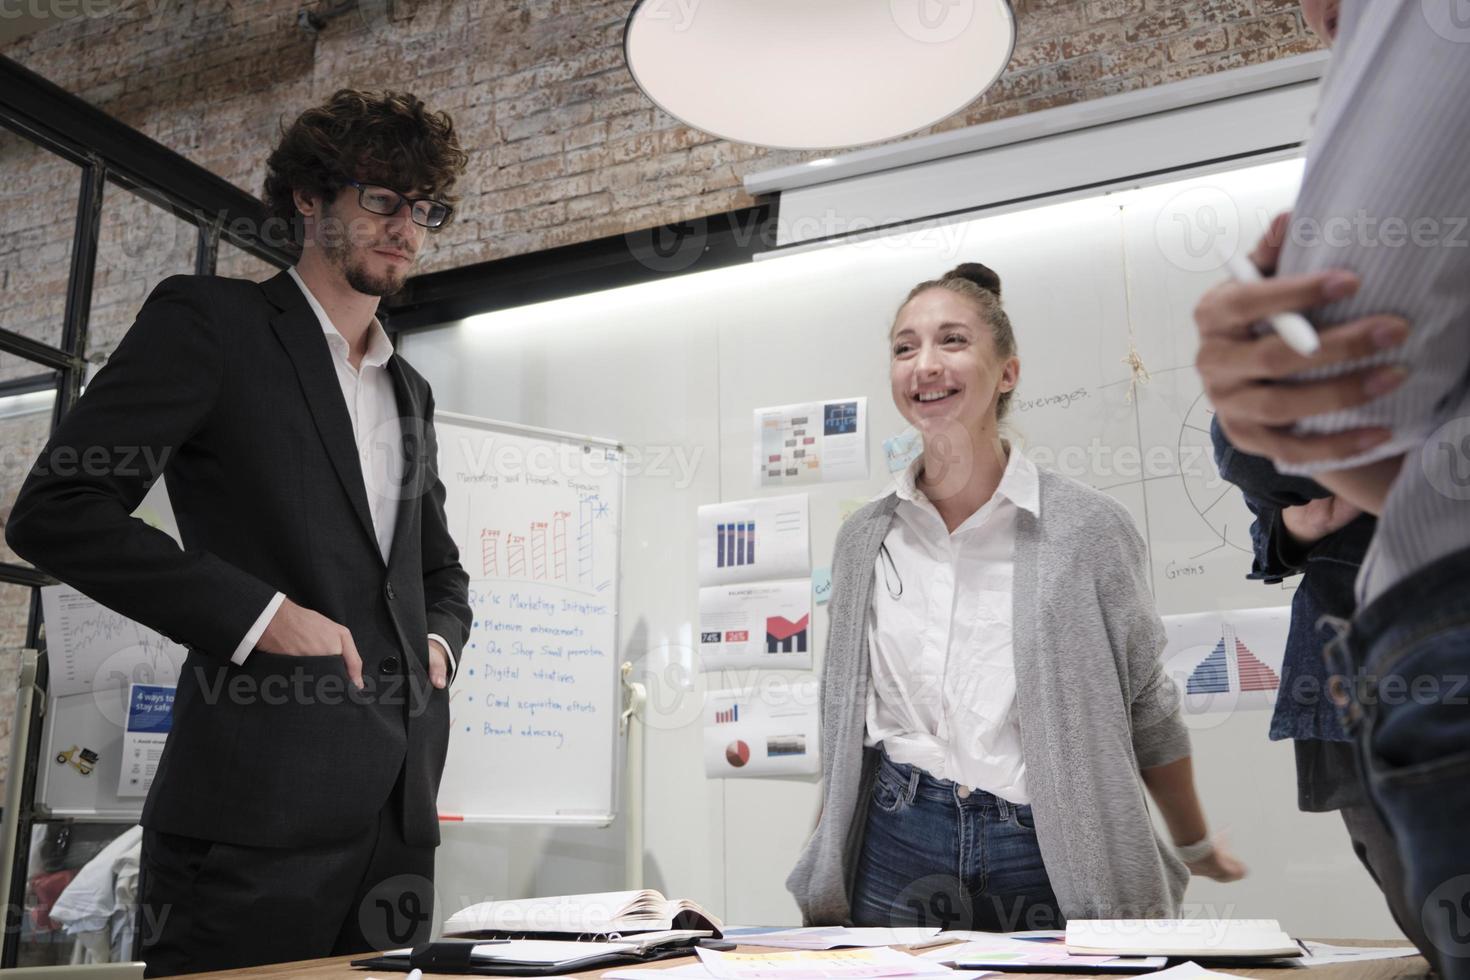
1404 687
939 854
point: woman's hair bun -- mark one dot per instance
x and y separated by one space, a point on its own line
981 275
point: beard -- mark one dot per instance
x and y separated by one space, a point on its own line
352 263
363 281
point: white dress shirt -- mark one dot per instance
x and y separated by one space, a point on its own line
373 408
943 691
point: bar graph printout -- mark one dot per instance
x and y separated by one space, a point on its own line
1223 661
767 730
755 598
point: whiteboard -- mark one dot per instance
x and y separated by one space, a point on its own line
536 701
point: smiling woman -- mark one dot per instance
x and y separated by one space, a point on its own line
964 791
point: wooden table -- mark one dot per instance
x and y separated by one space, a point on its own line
338 968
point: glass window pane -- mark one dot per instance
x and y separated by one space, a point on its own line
60 849
38 212
138 245
239 264
25 423
15 610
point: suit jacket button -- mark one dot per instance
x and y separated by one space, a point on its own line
389 665
391 593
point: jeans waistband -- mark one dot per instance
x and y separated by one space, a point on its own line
926 785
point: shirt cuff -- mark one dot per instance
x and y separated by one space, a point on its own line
258 630
448 652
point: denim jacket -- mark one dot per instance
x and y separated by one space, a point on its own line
1328 568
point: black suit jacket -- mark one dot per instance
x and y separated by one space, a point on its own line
228 387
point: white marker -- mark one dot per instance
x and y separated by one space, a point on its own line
1293 328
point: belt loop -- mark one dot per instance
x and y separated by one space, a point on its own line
913 785
1002 807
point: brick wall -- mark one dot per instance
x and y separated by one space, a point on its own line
564 148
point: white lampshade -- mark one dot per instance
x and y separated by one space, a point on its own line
809 74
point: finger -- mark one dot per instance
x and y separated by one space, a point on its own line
351 658
1233 308
1225 362
438 669
1278 405
1270 356
1360 338
1282 447
1268 250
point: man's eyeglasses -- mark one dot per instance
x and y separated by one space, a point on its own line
384 200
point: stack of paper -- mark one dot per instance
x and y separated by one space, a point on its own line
1000 952
1321 954
830 937
1182 938
871 963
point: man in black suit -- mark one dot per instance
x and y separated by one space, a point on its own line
318 589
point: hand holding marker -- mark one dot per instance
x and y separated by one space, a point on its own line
1293 328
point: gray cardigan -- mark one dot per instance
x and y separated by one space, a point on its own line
1094 704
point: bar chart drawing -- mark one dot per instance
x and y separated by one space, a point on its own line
586 514
538 550
728 715
559 545
515 555
540 554
1231 666
784 636
1212 676
489 553
1255 675
735 544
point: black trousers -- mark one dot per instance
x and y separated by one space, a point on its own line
1328 779
208 905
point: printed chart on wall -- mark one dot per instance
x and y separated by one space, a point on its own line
813 442
768 730
1226 661
755 597
536 515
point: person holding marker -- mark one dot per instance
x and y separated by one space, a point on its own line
1376 253
318 589
993 705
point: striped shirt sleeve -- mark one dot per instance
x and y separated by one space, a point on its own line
1386 194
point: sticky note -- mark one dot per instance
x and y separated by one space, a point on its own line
821 585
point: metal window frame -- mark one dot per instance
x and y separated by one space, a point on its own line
106 151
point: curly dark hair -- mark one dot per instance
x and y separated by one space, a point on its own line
388 138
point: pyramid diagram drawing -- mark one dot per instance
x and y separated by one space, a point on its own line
1231 666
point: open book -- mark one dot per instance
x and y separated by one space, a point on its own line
600 914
